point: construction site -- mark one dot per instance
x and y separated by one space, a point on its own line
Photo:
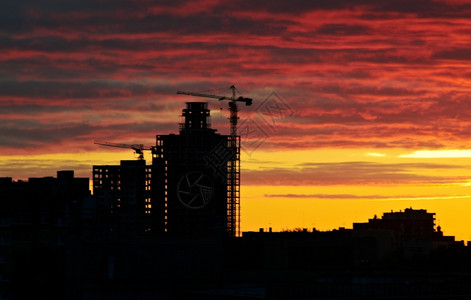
170 229
191 187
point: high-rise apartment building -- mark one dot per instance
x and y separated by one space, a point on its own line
123 199
191 179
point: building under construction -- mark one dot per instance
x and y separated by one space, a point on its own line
191 188
196 177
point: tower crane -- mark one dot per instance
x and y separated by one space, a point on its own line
138 148
232 105
233 175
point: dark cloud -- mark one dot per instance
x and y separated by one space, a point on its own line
136 16
353 197
348 173
454 54
343 29
425 8
90 89
27 135
373 9
10 108
130 17
326 196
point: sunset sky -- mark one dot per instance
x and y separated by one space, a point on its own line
376 97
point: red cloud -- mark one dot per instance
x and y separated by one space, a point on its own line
377 74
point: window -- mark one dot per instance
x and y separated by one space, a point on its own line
5 259
5 277
60 240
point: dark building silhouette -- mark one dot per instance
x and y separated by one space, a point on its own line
410 233
411 224
400 256
58 241
191 189
37 218
123 199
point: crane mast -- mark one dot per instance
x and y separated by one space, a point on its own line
233 169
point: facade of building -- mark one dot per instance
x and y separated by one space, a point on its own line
37 217
411 224
123 199
191 179
410 232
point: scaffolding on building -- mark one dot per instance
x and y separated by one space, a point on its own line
233 188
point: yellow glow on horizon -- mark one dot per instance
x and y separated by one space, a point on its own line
327 207
323 210
375 154
438 154
324 207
